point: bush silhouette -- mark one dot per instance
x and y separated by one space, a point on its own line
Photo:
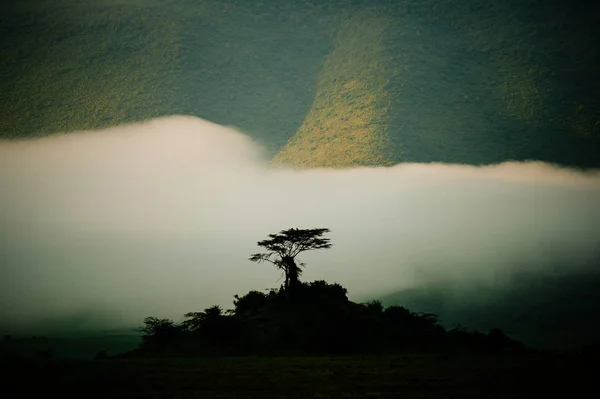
317 319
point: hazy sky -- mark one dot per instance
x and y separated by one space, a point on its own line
160 218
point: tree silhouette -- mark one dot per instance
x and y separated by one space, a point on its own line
285 246
320 320
159 333
194 321
214 326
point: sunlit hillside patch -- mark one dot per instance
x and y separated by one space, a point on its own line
347 123
76 68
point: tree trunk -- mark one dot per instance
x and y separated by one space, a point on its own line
291 275
291 271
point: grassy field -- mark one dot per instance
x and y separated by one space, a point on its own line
409 376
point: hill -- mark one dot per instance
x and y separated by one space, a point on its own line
315 82
544 311
313 318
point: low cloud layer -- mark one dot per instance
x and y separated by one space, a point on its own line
159 219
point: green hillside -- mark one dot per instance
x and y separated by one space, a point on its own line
548 311
347 124
73 66
346 82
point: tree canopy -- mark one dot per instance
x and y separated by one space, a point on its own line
285 246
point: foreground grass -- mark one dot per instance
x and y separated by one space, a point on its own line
410 376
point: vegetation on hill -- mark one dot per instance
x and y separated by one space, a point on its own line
347 124
318 319
343 83
74 66
307 318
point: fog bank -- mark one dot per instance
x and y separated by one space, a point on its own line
159 219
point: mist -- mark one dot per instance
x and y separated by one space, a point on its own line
159 218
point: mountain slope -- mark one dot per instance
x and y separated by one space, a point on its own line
347 123
550 311
346 82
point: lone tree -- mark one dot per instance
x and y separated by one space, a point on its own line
285 246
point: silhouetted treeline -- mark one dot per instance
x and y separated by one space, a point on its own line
317 319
